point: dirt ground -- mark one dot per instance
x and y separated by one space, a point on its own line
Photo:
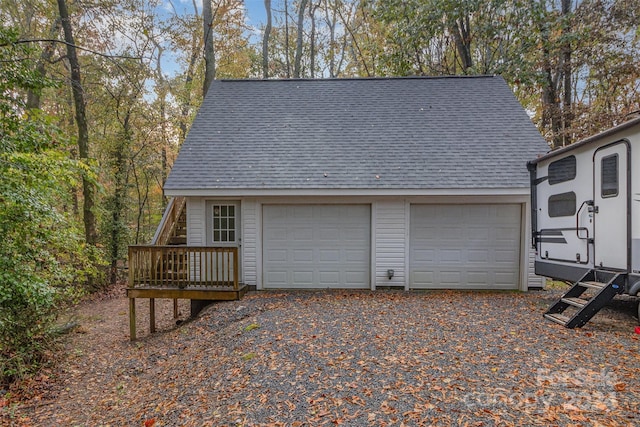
340 358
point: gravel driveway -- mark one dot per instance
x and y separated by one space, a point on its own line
353 358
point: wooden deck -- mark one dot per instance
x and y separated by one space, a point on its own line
181 272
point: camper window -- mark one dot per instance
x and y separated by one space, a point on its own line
610 176
562 170
563 204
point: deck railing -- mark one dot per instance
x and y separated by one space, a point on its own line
193 267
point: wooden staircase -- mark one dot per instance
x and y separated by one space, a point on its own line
173 227
173 232
178 234
586 297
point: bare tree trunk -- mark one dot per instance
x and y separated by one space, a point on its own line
356 45
33 97
209 54
265 41
462 36
162 95
567 110
297 65
551 113
163 154
312 40
91 234
331 23
186 103
286 39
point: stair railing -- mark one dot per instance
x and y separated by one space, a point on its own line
169 221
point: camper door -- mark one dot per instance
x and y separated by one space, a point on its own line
611 200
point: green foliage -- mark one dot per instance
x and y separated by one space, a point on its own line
42 257
251 327
248 356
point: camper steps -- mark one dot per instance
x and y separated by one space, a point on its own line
585 298
558 318
593 285
576 302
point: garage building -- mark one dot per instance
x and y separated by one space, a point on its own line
416 183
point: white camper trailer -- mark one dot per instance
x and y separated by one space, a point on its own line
586 220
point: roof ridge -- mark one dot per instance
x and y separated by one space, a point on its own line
475 76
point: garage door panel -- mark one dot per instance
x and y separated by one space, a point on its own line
328 234
304 277
329 246
277 277
477 277
276 234
478 255
420 255
505 278
357 255
424 277
329 255
477 234
450 277
451 256
450 233
277 255
505 257
300 211
329 279
464 246
301 255
299 234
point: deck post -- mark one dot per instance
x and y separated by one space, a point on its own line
152 315
132 319
236 282
175 308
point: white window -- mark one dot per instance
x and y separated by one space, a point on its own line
222 223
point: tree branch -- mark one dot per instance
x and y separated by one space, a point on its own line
105 55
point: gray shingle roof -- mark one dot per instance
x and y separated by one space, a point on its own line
396 133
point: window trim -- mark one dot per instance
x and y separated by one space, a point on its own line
209 222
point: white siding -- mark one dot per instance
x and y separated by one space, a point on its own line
533 281
195 221
195 232
249 242
390 242
529 278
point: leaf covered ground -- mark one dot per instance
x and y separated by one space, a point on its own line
352 358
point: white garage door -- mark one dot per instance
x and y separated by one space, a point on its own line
316 246
465 246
